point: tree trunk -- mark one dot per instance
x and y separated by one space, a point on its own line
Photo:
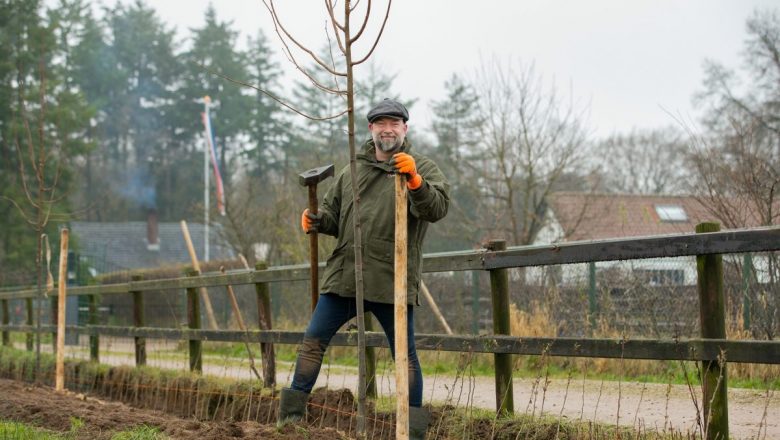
361 419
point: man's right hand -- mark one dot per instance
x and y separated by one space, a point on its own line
310 222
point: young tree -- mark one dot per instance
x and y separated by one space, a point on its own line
42 129
346 38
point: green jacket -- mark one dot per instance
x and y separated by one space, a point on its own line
427 204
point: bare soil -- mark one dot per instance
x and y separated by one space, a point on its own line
41 406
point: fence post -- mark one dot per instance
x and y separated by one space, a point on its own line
265 322
499 289
29 337
592 305
6 321
139 321
94 339
193 322
747 275
712 316
474 302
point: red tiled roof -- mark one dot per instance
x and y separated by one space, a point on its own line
586 216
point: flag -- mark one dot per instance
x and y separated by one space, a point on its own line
210 144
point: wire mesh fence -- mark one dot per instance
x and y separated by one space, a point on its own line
655 298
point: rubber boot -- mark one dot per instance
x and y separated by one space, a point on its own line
419 418
292 406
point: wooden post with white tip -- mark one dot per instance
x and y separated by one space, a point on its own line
401 342
59 374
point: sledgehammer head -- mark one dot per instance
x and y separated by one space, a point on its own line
315 175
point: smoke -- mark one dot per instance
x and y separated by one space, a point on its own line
140 188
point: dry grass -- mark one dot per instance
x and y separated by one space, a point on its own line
539 322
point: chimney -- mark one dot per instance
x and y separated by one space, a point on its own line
152 231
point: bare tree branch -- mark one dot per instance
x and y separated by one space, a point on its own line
22 172
270 95
329 5
338 40
343 93
278 26
365 22
27 217
378 36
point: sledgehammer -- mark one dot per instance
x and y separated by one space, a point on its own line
310 179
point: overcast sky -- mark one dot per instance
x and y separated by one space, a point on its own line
631 61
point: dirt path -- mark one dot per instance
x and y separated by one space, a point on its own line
752 414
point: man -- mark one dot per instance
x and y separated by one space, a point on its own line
387 152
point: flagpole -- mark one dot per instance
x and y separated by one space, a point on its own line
206 159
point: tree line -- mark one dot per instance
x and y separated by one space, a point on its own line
100 121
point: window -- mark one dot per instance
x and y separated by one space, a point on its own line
661 277
671 213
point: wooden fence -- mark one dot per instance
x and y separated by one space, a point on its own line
712 349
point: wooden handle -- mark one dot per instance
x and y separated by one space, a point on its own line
401 342
313 251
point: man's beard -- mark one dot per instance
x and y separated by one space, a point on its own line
388 146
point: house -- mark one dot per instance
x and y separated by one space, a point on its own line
586 216
118 248
123 246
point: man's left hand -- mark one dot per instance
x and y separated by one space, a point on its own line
404 163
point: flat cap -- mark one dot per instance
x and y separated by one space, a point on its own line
388 108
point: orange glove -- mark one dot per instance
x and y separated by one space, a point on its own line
404 163
310 223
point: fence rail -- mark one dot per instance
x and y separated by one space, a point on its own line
496 259
679 245
763 352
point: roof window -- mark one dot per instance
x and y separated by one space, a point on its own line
671 213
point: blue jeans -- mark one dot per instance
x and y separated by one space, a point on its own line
331 313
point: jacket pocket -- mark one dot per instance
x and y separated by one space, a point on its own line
381 250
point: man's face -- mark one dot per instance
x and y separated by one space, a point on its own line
388 133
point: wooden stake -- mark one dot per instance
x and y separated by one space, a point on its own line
401 342
59 378
241 326
436 312
204 294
